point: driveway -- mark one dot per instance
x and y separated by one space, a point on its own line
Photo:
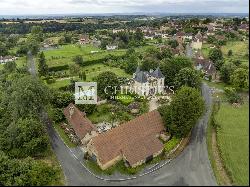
191 167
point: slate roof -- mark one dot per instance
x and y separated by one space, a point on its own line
134 140
142 76
157 73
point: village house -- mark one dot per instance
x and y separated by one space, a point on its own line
147 83
84 40
149 36
135 142
111 47
197 42
115 31
5 59
206 66
83 127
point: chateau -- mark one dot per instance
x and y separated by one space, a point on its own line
146 83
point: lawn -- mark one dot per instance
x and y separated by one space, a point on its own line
239 48
240 51
233 141
65 54
205 50
92 72
21 62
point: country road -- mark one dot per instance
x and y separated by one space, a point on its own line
191 167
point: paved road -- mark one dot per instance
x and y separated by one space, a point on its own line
191 167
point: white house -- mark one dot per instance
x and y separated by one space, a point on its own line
5 59
111 47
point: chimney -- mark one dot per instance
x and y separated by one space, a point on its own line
71 111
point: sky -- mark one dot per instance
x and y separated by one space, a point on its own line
24 7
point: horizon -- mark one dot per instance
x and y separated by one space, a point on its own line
55 7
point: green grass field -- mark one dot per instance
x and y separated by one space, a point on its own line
239 48
240 51
65 54
233 141
91 72
20 62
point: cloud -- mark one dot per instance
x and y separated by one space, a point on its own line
122 6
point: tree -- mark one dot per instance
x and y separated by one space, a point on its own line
131 64
240 78
232 95
217 58
149 63
37 33
82 76
3 49
226 71
171 67
166 53
183 112
78 60
74 69
43 68
188 77
173 43
230 53
26 137
10 67
107 82
27 95
26 172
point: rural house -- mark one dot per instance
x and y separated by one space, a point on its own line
135 142
83 127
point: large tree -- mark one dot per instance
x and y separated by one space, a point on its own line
26 137
183 112
240 78
27 95
188 77
107 82
26 172
226 71
217 58
42 66
171 67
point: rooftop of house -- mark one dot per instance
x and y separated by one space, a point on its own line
80 123
142 76
205 64
134 140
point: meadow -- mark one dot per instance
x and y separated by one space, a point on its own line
92 72
233 141
239 49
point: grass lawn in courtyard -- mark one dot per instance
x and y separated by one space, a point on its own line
233 141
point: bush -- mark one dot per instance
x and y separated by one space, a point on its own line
232 95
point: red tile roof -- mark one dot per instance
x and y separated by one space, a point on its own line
135 140
80 123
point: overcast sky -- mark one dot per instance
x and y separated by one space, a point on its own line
10 7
